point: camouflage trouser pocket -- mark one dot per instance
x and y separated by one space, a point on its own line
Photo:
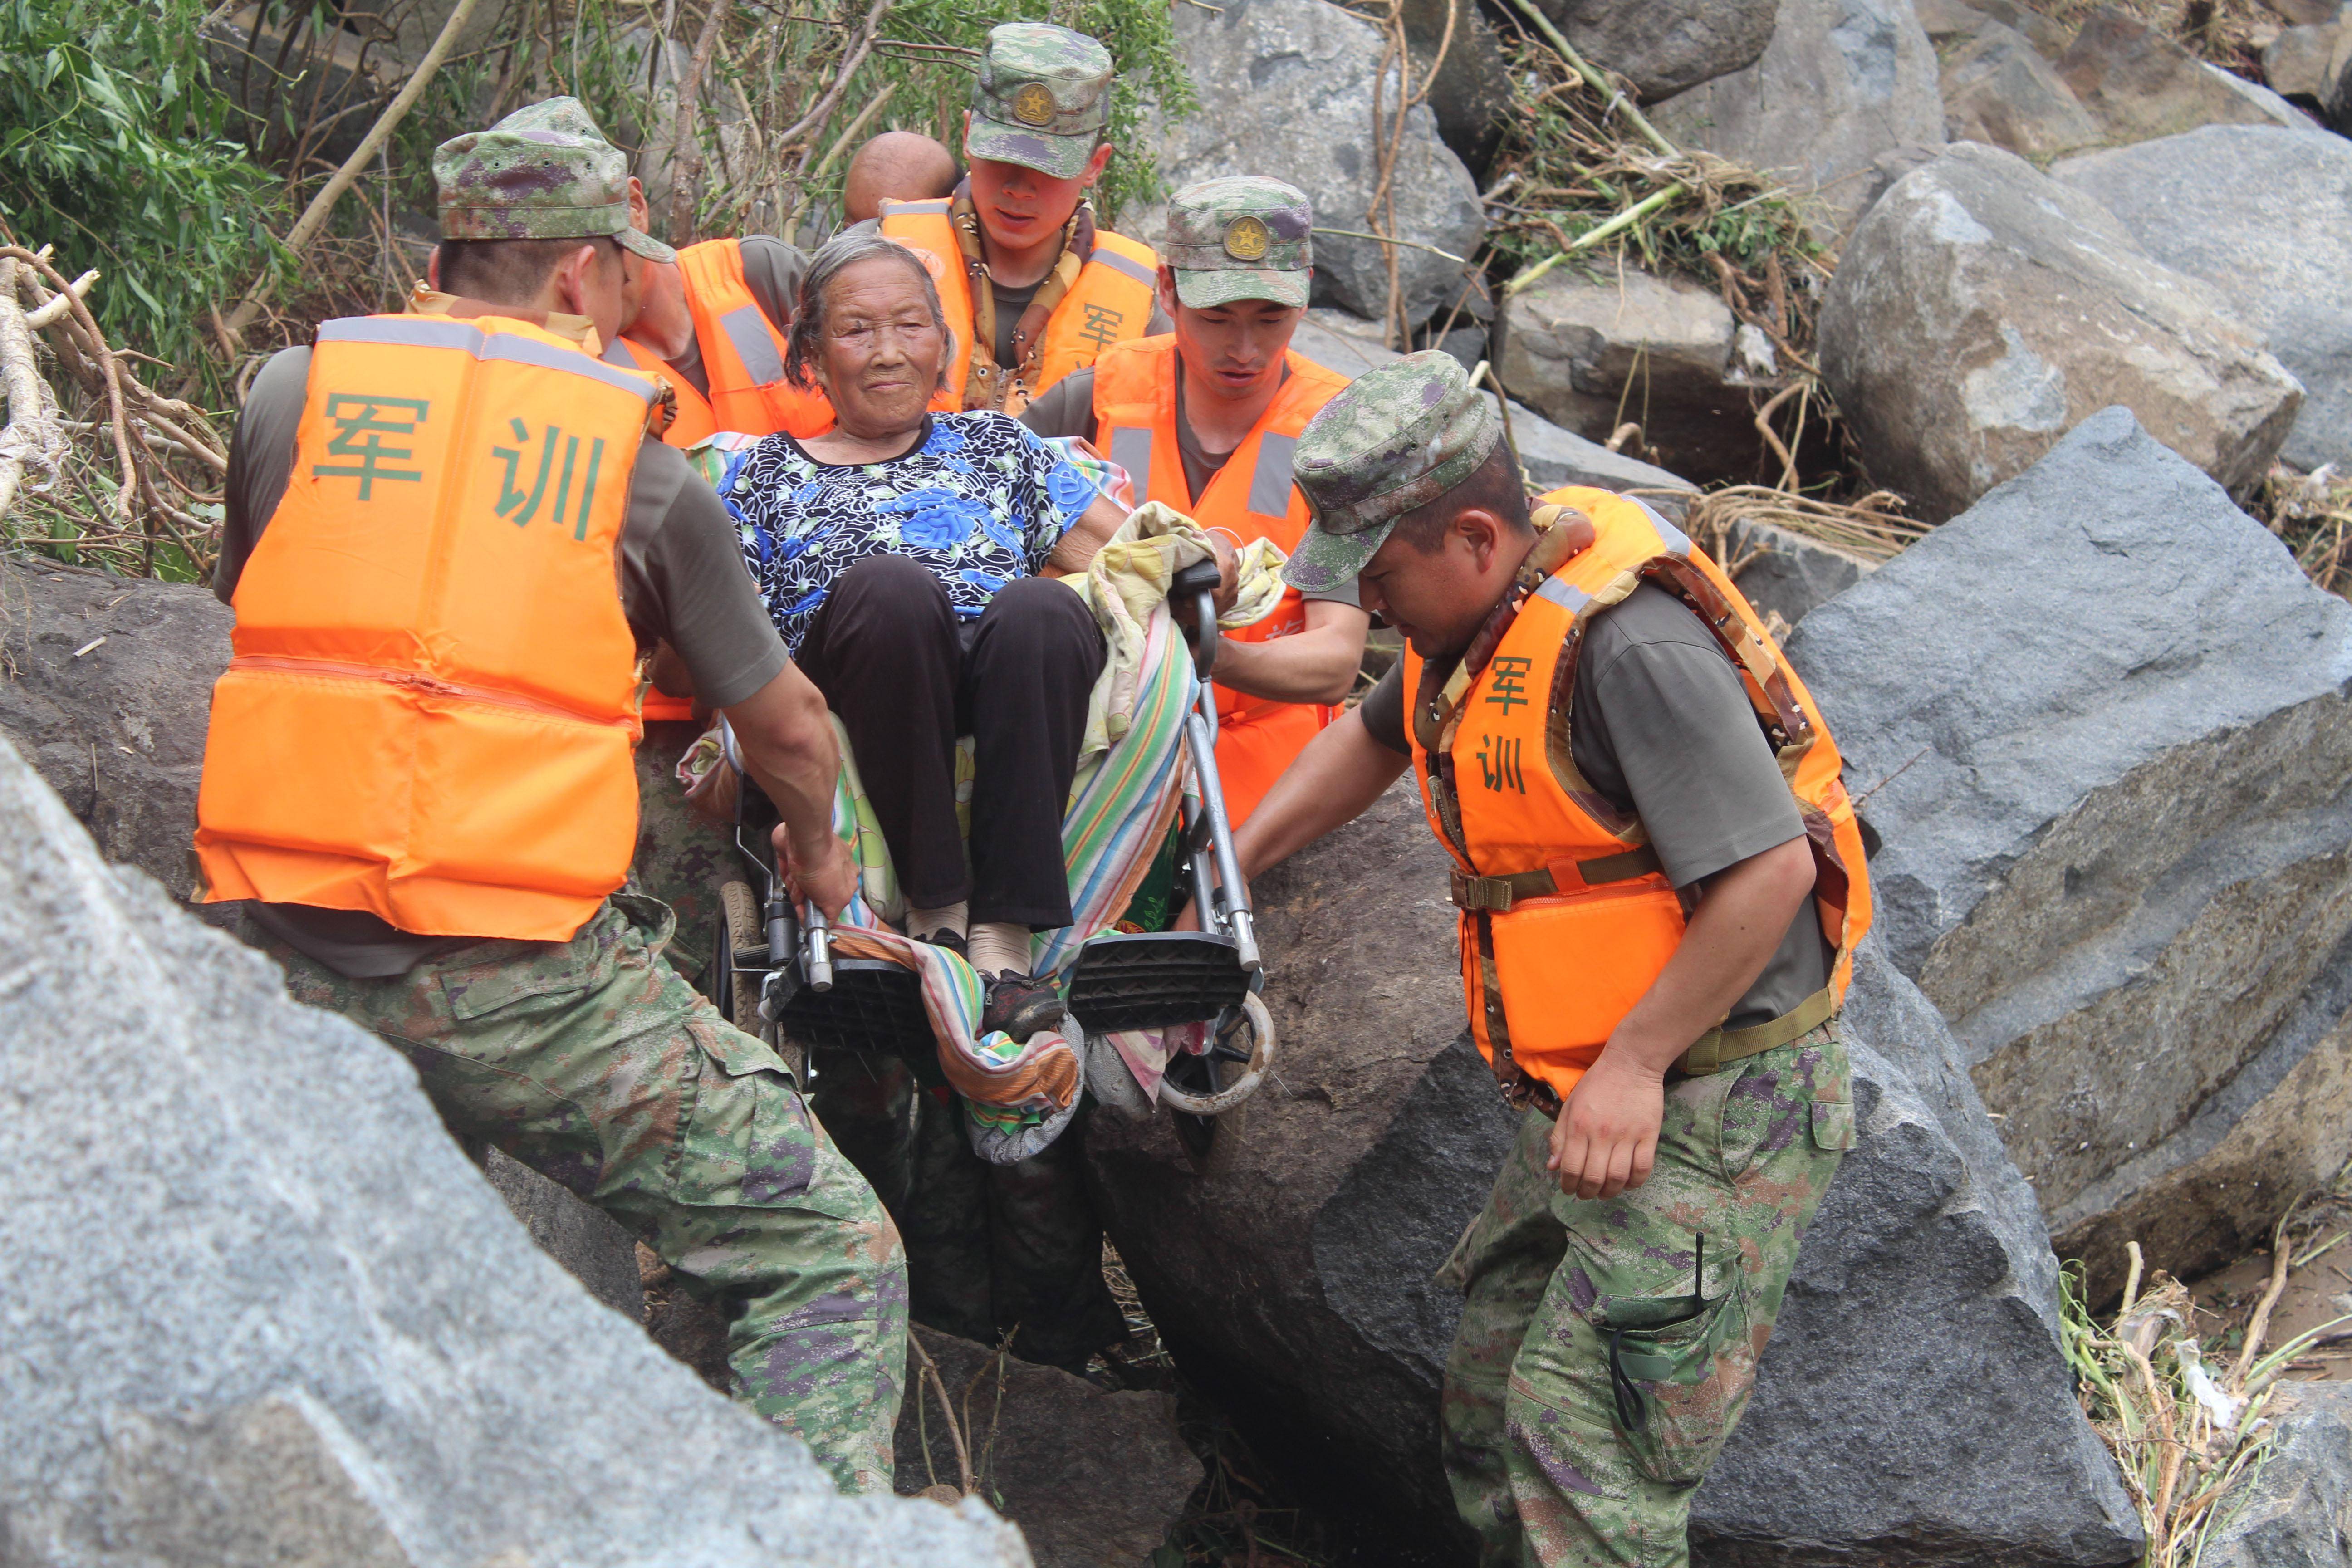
747 1138
1679 1368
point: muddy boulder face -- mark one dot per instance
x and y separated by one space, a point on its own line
260 1308
2099 727
1291 1272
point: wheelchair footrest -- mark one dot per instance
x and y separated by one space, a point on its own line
873 1006
1155 978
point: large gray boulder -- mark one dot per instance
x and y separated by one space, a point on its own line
118 729
2140 84
1589 353
1292 1275
1788 575
261 1309
2098 725
2271 229
1663 47
1288 90
1842 82
1550 456
2291 1508
1471 97
1999 89
1983 310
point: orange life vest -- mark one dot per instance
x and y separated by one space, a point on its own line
1566 918
1252 495
742 357
1110 301
432 700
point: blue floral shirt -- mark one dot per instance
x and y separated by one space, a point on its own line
980 502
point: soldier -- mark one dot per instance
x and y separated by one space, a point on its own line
1033 290
1661 883
1205 418
418 772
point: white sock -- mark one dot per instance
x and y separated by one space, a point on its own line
999 947
924 924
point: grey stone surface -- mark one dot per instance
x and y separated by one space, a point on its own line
1091 1477
1950 22
2335 86
2140 84
2101 725
1786 574
589 1243
1621 344
1840 82
2296 62
1286 90
1914 1409
1471 98
2273 232
2295 1510
1550 456
120 732
1998 89
1663 47
260 1308
1981 310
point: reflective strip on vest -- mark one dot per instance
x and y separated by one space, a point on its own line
1130 448
429 712
1104 256
1269 491
747 329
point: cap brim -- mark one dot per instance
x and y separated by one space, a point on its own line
1208 289
645 245
1327 560
1063 157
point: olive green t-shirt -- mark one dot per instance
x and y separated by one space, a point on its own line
679 575
1662 727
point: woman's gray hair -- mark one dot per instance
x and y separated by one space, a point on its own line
833 257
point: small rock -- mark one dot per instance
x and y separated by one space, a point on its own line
2336 90
2288 1509
1663 47
1286 86
1471 98
2273 232
1091 1477
1998 89
2295 64
1840 82
1788 575
1982 309
2101 728
2138 84
2307 12
1590 354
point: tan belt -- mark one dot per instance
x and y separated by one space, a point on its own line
1495 895
1718 1047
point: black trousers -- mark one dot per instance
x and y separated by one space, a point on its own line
907 678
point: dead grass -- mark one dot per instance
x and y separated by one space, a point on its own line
2228 33
2313 513
1872 528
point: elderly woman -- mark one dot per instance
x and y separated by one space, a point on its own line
901 555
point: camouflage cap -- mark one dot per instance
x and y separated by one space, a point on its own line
1397 438
1042 99
1241 238
539 182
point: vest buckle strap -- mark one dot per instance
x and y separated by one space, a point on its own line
1491 894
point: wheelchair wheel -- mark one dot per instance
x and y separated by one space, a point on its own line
736 992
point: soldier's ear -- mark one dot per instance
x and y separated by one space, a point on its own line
1095 164
433 271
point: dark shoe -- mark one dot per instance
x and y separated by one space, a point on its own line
946 939
1019 1005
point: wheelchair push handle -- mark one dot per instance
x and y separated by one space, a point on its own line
804 929
1199 582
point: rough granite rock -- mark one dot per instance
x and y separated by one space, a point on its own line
1550 456
1981 310
1293 1277
592 1247
1287 91
306 1330
1788 575
1471 98
2296 62
1840 82
2138 84
2294 1510
1091 1477
1663 47
119 732
1591 352
1999 89
2100 721
2273 233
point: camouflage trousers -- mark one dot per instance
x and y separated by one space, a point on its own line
591 1061
991 1249
680 860
1608 1346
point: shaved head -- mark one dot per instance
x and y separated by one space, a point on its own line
899 166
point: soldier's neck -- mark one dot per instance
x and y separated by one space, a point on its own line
428 301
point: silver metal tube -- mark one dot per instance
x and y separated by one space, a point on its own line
815 936
1200 732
